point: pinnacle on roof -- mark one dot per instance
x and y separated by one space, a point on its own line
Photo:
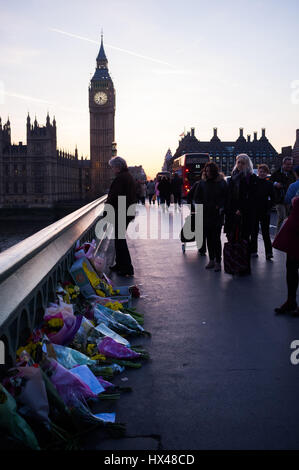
101 55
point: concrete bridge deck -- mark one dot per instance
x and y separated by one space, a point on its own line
220 375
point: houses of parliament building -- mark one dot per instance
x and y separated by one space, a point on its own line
40 175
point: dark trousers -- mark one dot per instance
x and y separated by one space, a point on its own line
122 254
292 277
150 197
164 199
213 237
177 198
264 220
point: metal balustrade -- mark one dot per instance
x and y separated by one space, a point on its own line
30 271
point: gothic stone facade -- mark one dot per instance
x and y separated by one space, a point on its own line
102 114
38 174
224 153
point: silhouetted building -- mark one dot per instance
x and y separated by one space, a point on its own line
38 174
102 114
223 153
295 153
137 172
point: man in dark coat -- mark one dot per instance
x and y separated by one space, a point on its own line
122 185
282 179
176 189
265 201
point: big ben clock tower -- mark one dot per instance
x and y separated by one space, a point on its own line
102 112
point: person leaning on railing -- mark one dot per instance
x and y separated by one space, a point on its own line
122 185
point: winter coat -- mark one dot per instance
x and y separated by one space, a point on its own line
285 179
287 239
265 197
212 193
164 188
242 196
122 185
176 185
151 188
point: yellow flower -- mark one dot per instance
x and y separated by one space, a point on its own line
90 348
92 276
100 293
99 357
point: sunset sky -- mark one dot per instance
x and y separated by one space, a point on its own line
174 64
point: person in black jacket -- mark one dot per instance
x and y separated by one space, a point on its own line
122 185
164 188
241 208
282 179
212 192
176 189
265 200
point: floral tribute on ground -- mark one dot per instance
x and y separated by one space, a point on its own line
61 387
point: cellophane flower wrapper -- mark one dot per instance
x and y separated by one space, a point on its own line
67 333
102 315
127 320
67 384
85 374
69 357
111 348
109 370
12 423
106 331
63 308
86 250
86 333
105 383
34 395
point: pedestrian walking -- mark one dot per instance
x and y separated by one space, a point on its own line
241 208
190 196
265 201
282 179
212 192
164 188
122 185
150 191
293 188
157 192
287 240
176 190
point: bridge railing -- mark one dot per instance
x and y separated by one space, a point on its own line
30 271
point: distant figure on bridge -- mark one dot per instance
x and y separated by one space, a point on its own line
157 192
164 188
265 201
176 190
190 198
150 191
282 179
122 185
242 203
287 240
211 191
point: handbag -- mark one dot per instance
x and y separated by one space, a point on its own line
236 255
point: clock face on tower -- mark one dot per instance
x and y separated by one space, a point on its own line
100 98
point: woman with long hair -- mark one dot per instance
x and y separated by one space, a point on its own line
242 201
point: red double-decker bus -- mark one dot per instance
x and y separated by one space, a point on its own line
189 166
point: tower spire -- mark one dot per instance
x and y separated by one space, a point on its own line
102 61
